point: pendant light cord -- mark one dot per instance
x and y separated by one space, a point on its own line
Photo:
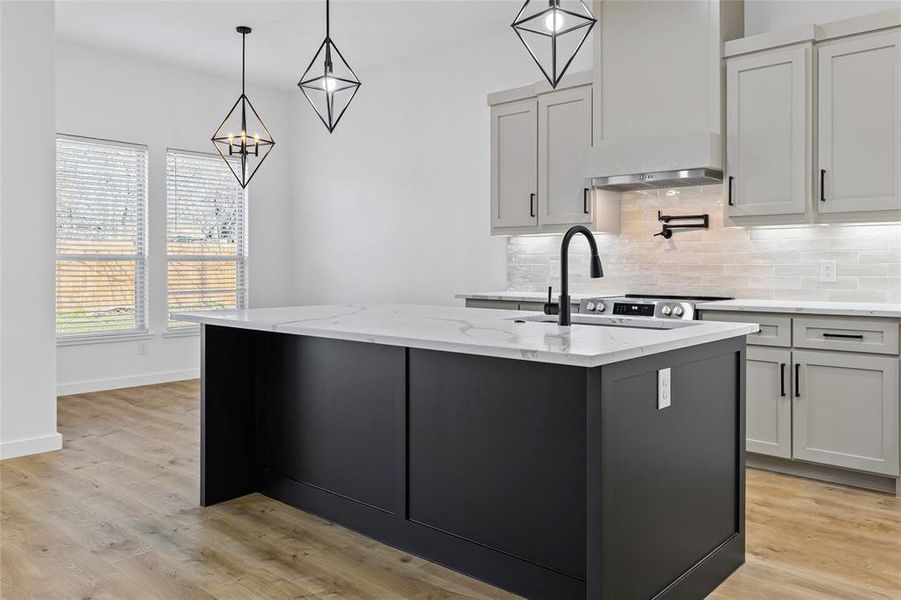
327 19
243 40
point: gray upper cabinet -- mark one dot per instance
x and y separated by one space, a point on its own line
813 123
846 410
767 133
564 135
859 145
540 138
769 410
514 164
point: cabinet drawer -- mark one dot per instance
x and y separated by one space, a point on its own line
854 335
775 330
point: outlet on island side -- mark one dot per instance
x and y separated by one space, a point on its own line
664 388
142 348
827 270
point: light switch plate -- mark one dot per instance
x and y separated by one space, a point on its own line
664 389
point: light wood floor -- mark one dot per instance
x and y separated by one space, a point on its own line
115 515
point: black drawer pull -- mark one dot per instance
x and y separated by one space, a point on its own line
730 190
531 205
822 185
782 379
844 336
585 201
797 380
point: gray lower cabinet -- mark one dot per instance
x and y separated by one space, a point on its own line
823 389
769 405
846 410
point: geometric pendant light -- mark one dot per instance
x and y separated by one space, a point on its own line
553 31
242 139
329 83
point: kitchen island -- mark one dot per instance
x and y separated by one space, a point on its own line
601 460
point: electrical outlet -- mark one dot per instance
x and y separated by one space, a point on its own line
142 348
827 270
664 389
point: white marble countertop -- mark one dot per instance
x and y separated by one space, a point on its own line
514 296
807 307
486 332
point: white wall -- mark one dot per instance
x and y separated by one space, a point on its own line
27 207
118 97
394 205
762 16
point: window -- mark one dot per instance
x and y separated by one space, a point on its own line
101 204
206 238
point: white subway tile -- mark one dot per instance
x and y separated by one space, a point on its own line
746 263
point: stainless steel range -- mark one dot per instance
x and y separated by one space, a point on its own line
651 307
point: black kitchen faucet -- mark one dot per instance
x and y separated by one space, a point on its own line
564 306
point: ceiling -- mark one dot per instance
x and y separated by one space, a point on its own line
200 34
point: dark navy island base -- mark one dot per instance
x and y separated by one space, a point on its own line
549 481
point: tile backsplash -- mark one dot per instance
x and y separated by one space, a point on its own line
776 263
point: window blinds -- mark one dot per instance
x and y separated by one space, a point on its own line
206 237
101 204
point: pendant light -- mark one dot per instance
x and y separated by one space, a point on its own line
243 140
553 31
329 83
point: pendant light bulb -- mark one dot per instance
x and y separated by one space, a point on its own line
329 83
554 21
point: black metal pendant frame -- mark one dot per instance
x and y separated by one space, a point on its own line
243 147
521 24
312 82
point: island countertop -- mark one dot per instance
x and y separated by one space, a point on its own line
484 332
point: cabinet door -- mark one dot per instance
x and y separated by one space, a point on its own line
769 415
767 133
846 410
859 148
564 137
514 164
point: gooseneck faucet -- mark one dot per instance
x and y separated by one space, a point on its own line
564 306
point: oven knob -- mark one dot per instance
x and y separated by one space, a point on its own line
678 311
591 306
601 307
666 310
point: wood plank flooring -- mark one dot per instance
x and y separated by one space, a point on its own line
115 515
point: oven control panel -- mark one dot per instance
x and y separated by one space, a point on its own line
630 307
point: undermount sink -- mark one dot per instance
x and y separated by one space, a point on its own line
609 321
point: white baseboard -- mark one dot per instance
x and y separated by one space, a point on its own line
114 383
35 445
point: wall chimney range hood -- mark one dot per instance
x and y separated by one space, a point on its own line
658 93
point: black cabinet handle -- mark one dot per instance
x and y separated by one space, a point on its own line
844 336
822 185
782 379
797 380
730 190
531 205
585 201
